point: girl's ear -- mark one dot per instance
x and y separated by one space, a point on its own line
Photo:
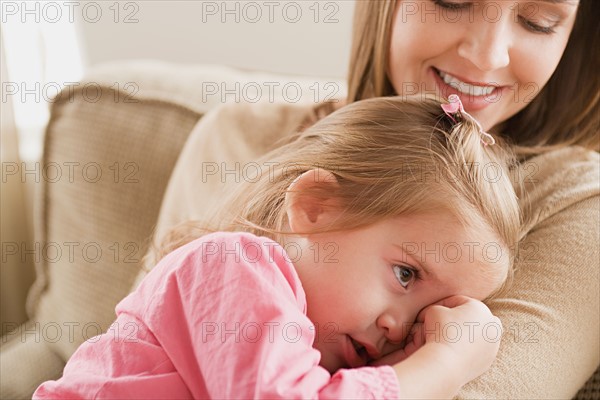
307 212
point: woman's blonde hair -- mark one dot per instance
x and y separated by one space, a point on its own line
391 157
564 113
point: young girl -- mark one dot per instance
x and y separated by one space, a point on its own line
353 265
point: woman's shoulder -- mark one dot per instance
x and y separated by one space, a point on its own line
243 131
558 179
254 121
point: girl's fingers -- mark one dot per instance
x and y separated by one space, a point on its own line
448 302
414 340
453 301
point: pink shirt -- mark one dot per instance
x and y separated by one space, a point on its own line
221 317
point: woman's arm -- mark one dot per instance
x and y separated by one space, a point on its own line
551 343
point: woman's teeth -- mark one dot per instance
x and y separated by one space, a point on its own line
464 87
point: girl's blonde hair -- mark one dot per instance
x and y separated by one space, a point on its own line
564 113
391 157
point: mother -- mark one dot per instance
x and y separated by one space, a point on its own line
528 70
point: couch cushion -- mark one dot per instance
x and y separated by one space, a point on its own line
97 219
203 87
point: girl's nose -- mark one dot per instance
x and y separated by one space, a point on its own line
394 328
486 44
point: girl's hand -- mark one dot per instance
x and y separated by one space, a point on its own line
414 341
466 329
451 343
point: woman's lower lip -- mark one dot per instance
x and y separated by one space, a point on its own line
471 103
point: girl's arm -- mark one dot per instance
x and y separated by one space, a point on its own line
214 321
125 362
434 365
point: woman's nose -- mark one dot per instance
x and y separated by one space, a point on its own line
486 44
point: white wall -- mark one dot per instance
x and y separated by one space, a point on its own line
221 32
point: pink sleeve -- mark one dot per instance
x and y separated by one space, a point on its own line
125 362
222 317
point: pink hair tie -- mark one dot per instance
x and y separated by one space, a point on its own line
455 108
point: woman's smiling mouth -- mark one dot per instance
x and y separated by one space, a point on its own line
466 88
474 95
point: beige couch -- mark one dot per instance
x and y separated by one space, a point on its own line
132 135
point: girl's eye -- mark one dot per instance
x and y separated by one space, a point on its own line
404 274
